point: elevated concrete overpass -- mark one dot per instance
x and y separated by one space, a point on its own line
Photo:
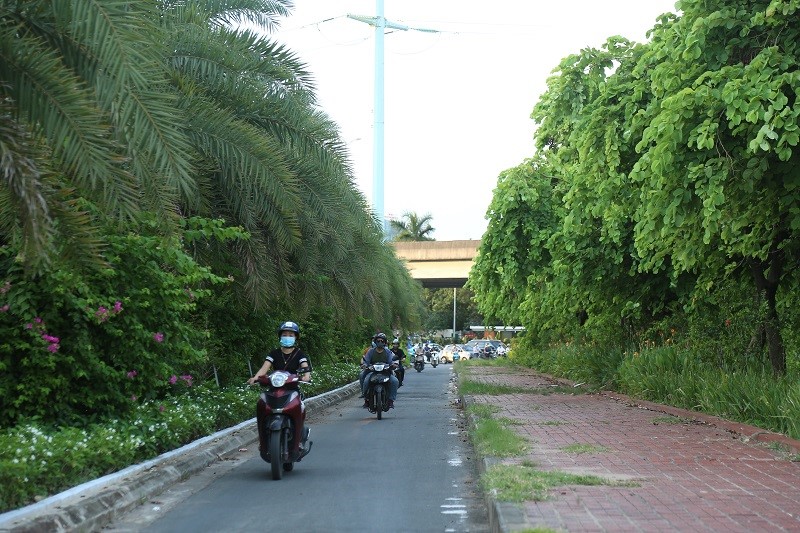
438 264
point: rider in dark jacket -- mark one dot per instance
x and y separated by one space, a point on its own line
379 354
400 357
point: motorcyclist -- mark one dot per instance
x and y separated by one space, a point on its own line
427 351
288 357
379 354
364 370
400 357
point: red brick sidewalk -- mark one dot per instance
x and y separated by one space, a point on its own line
692 476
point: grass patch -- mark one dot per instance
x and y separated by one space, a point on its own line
491 436
584 448
520 483
483 410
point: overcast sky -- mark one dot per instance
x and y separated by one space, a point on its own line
458 101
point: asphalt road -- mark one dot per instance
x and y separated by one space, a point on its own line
412 471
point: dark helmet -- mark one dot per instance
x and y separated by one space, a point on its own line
380 336
289 326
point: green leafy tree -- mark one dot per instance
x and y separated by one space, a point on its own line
718 170
522 219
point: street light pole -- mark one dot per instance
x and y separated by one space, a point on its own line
380 23
454 314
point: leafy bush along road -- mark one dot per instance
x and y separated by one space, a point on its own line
36 462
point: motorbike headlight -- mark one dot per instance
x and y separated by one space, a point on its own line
379 367
278 379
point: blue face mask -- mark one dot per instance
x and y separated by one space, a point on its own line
380 344
287 341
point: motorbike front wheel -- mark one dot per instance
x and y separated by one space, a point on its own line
378 402
277 444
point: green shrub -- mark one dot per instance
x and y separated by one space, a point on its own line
94 342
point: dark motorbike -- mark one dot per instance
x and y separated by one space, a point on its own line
281 414
378 388
419 362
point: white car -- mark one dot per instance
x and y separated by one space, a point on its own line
453 352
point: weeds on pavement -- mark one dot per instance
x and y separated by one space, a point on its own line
524 482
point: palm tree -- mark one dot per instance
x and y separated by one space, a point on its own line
81 85
168 107
275 165
413 227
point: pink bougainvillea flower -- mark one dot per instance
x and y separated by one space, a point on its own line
161 408
132 374
158 337
173 379
188 379
37 320
117 306
4 308
52 348
28 326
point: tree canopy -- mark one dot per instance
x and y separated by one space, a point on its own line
662 169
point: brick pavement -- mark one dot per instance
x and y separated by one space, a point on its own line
702 474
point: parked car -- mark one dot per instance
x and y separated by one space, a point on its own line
453 352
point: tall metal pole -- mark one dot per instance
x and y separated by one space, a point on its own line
377 169
380 23
454 314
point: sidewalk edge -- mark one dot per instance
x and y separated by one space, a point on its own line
504 517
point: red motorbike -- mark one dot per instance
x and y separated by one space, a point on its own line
281 415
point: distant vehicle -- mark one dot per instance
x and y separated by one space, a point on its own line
482 348
500 347
420 347
453 352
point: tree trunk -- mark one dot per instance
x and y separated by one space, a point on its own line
767 275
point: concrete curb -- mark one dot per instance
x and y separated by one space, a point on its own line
503 516
92 505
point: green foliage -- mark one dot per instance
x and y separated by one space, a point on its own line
95 342
439 306
520 483
412 227
491 436
594 364
665 175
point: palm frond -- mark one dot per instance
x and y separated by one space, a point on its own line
56 105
